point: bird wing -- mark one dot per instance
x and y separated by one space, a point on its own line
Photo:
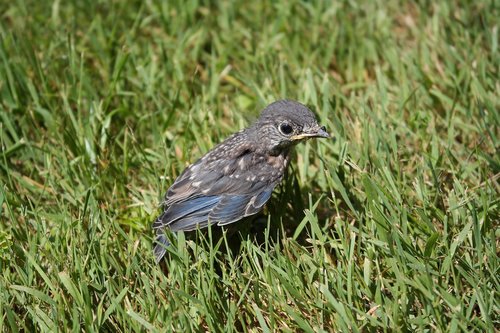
233 208
219 189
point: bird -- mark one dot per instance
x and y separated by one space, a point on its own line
237 177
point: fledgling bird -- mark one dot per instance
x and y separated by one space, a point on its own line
236 178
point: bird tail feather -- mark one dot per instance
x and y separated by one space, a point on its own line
160 248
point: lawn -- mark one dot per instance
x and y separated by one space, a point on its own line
393 226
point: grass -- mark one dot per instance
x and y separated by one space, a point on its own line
392 227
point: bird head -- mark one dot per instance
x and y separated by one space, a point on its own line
285 123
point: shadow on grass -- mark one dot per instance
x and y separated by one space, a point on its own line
282 216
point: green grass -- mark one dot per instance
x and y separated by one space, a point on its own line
392 227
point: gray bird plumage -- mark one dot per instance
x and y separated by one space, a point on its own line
236 178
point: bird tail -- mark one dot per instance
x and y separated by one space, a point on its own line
160 247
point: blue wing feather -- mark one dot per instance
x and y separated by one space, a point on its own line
229 209
186 208
233 208
262 198
191 222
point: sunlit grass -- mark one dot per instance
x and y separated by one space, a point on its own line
391 227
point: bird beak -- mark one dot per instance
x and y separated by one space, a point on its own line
312 132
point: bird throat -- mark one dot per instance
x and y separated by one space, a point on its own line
279 161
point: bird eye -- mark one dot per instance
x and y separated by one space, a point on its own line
286 129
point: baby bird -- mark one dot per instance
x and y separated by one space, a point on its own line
236 178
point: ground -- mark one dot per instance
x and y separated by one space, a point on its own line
392 226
